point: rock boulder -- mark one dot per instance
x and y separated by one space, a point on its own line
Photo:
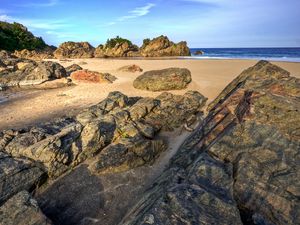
119 50
91 76
130 68
74 50
72 68
35 54
28 72
162 46
163 80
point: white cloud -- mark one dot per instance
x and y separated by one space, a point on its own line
137 12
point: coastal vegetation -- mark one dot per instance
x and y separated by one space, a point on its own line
111 43
15 36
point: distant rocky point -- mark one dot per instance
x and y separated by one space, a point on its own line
162 46
31 47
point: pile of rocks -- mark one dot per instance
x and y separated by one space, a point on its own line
118 134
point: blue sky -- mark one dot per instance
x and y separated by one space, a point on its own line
202 23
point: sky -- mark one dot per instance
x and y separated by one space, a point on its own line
202 23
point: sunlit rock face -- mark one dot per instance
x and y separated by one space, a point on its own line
74 50
241 166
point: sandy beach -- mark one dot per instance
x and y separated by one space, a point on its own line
29 107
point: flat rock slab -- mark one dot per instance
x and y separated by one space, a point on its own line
163 80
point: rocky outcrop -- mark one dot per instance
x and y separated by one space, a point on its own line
34 54
162 46
124 49
74 50
163 80
130 68
93 77
122 129
240 166
72 68
17 174
2 66
199 52
21 209
20 72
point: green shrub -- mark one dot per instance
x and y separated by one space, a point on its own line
146 42
16 37
110 43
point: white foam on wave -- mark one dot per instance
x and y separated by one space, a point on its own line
284 58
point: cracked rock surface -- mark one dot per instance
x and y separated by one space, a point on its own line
241 165
114 137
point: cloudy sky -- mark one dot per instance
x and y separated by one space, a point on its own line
202 23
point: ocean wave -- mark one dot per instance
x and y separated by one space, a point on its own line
284 58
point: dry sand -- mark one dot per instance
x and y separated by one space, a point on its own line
25 108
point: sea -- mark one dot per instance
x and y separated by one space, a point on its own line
271 54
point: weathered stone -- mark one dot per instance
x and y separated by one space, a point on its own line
17 174
21 209
119 50
74 50
245 153
31 73
53 150
73 68
163 80
131 68
94 77
162 46
174 110
34 54
199 194
114 100
127 153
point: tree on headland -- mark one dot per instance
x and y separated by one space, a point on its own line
15 36
110 43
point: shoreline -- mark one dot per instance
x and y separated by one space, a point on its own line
202 58
30 107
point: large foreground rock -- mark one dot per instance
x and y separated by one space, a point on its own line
21 209
241 165
74 50
17 174
20 72
162 46
163 80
